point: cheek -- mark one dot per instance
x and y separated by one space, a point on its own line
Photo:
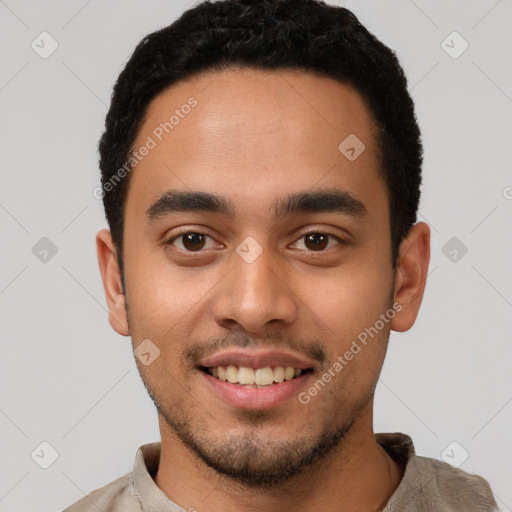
348 299
167 303
159 294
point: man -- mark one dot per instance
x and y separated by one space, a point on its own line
261 167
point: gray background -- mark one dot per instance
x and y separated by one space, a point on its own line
68 379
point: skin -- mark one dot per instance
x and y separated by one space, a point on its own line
253 136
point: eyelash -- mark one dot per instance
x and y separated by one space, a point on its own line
303 235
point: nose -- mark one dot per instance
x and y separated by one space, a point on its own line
255 296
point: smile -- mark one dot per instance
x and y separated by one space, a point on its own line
254 377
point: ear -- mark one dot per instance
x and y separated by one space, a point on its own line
411 276
111 277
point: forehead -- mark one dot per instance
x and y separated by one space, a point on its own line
252 133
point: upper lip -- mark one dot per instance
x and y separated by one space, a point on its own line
255 359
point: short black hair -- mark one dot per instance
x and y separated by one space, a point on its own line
307 35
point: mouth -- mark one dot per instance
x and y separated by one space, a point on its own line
248 377
262 378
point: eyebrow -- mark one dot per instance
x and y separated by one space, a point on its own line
325 200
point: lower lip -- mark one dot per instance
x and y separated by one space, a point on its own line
255 398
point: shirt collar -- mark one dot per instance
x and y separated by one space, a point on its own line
149 494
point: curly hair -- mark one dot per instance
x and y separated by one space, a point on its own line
269 34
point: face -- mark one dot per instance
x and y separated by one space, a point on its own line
252 241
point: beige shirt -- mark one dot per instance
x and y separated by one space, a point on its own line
428 485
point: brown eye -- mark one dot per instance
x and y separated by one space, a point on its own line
191 241
316 241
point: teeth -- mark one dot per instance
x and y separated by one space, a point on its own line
245 375
254 377
278 374
263 376
232 374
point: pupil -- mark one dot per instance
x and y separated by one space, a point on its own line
192 240
319 240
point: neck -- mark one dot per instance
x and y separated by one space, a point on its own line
358 473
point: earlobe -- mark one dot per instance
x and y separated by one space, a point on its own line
411 275
111 277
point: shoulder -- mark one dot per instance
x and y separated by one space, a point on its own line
430 483
116 496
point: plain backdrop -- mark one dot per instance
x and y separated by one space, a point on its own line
67 379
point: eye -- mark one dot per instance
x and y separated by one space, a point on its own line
317 241
191 241
196 241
